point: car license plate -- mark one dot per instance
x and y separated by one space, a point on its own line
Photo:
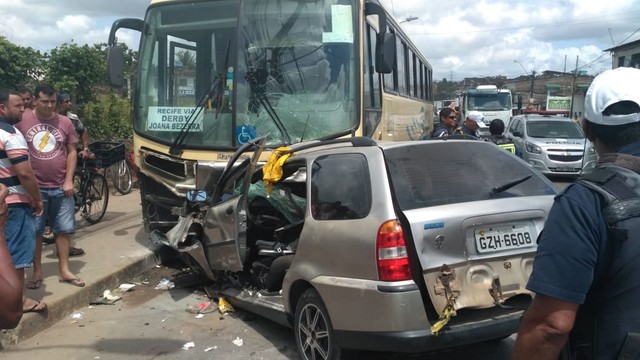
503 238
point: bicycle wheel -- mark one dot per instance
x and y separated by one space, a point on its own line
96 198
121 177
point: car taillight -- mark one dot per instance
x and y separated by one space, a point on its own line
393 263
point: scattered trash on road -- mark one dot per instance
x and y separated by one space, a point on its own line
206 307
199 316
210 348
188 345
238 342
165 284
224 306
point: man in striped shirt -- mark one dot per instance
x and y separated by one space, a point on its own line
24 199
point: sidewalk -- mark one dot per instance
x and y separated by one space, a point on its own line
115 251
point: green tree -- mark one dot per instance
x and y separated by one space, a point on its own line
108 117
187 58
77 69
19 66
445 90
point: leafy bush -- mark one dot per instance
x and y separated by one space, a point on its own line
108 118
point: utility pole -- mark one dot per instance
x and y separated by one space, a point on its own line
565 64
533 79
573 84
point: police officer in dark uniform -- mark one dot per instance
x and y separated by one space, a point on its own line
448 122
586 273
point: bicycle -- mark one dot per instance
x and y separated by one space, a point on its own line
121 176
92 192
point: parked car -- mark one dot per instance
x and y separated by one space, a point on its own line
366 245
552 144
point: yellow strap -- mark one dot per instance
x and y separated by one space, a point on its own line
272 170
447 312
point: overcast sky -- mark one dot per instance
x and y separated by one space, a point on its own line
460 38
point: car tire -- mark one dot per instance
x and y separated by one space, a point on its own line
314 333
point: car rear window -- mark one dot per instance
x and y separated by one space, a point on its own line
437 173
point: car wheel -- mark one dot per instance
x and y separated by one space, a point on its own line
315 338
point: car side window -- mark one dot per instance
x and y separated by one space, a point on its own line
340 187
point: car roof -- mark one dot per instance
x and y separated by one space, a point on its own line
537 117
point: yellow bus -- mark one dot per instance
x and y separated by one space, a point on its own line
212 75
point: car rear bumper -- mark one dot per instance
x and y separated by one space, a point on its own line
422 340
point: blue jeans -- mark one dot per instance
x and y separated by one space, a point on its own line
59 209
21 235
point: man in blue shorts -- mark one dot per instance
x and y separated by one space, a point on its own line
24 200
53 156
586 273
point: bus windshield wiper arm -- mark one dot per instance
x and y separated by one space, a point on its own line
266 104
509 185
215 92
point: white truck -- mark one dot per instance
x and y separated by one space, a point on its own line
492 102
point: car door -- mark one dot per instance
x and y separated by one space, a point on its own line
517 127
225 224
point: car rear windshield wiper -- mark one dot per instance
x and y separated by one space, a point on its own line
509 185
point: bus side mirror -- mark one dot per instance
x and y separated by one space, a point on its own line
115 65
385 53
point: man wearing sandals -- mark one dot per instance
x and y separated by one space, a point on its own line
52 151
24 199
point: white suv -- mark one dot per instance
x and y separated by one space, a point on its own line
552 144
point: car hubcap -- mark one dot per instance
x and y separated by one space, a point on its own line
313 333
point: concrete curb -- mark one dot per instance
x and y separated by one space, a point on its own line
116 251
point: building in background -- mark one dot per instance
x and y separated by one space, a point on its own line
625 55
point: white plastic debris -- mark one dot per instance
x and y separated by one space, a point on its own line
210 348
126 287
188 345
238 342
110 297
199 316
165 284
77 315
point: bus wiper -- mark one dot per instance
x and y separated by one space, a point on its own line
257 88
266 104
509 185
215 92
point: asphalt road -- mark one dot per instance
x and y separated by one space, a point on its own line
150 323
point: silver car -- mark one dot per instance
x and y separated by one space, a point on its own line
358 244
552 144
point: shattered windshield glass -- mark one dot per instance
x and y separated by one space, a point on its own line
280 68
297 58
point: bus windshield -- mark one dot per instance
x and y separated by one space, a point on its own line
236 70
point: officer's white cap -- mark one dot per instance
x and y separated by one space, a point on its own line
608 88
476 116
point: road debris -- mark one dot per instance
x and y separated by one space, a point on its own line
224 307
238 342
188 345
165 284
